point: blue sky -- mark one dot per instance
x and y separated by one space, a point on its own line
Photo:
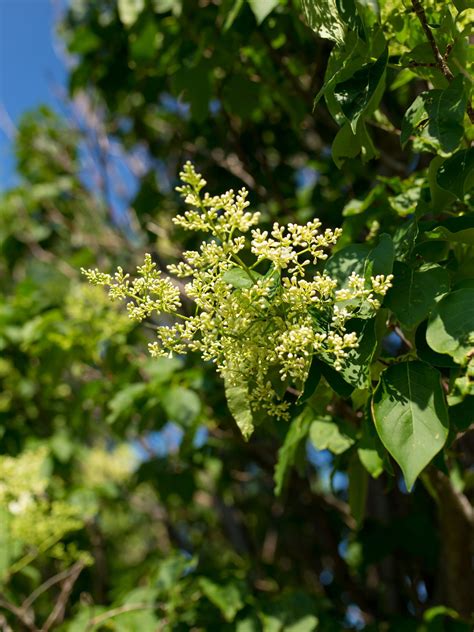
30 68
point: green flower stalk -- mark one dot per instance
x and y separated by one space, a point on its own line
253 321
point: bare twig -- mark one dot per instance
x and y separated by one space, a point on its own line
441 62
115 612
440 59
25 617
57 613
46 586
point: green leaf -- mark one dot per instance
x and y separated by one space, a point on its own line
404 240
326 433
426 353
348 144
381 257
465 236
451 326
297 432
456 174
345 145
356 93
238 278
181 405
323 18
237 395
370 450
436 117
226 597
129 10
193 84
336 381
411 416
356 367
414 292
352 258
232 14
312 381
362 259
358 486
262 8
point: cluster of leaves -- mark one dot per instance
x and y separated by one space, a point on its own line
178 524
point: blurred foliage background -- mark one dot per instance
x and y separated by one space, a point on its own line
129 499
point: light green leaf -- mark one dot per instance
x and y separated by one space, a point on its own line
238 278
358 485
436 117
124 401
456 174
297 432
327 433
323 18
237 394
348 144
181 404
345 145
129 10
355 94
414 292
451 326
226 597
232 13
262 8
411 416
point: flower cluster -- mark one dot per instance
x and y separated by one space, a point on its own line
35 522
261 315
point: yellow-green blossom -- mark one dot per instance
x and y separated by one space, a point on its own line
259 316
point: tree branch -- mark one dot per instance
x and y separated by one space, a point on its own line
441 62
440 59
57 613
114 612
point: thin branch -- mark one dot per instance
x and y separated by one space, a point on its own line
114 612
57 613
440 60
46 586
22 616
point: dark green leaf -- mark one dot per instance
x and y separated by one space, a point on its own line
354 95
436 117
370 450
358 487
297 433
414 292
336 381
456 174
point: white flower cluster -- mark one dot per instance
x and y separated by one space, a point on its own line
259 316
